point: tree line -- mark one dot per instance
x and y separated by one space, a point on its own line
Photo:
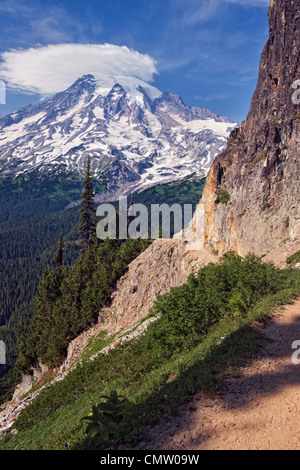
69 300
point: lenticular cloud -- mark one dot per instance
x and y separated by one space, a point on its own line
50 69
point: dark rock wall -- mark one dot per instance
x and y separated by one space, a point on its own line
251 199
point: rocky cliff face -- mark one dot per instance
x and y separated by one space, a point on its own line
136 136
251 199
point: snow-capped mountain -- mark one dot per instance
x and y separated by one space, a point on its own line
136 135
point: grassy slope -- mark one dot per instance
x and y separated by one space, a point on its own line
154 392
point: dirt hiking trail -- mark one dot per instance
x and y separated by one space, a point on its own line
259 410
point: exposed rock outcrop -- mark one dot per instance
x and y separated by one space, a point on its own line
251 199
165 264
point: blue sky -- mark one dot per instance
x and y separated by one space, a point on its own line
207 51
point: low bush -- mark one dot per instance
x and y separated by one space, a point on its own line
223 196
293 259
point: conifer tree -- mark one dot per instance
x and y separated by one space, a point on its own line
47 295
87 210
58 258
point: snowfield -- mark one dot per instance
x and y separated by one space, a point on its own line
151 136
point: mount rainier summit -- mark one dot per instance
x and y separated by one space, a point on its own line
136 135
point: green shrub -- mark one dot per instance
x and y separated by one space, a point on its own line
293 259
226 289
262 156
265 205
222 196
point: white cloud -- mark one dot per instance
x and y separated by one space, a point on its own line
50 69
200 11
251 3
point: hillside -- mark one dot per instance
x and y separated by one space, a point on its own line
198 332
206 304
136 135
258 172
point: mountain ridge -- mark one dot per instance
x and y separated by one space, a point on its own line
136 135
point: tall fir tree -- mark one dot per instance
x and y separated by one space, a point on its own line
58 258
87 210
43 321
